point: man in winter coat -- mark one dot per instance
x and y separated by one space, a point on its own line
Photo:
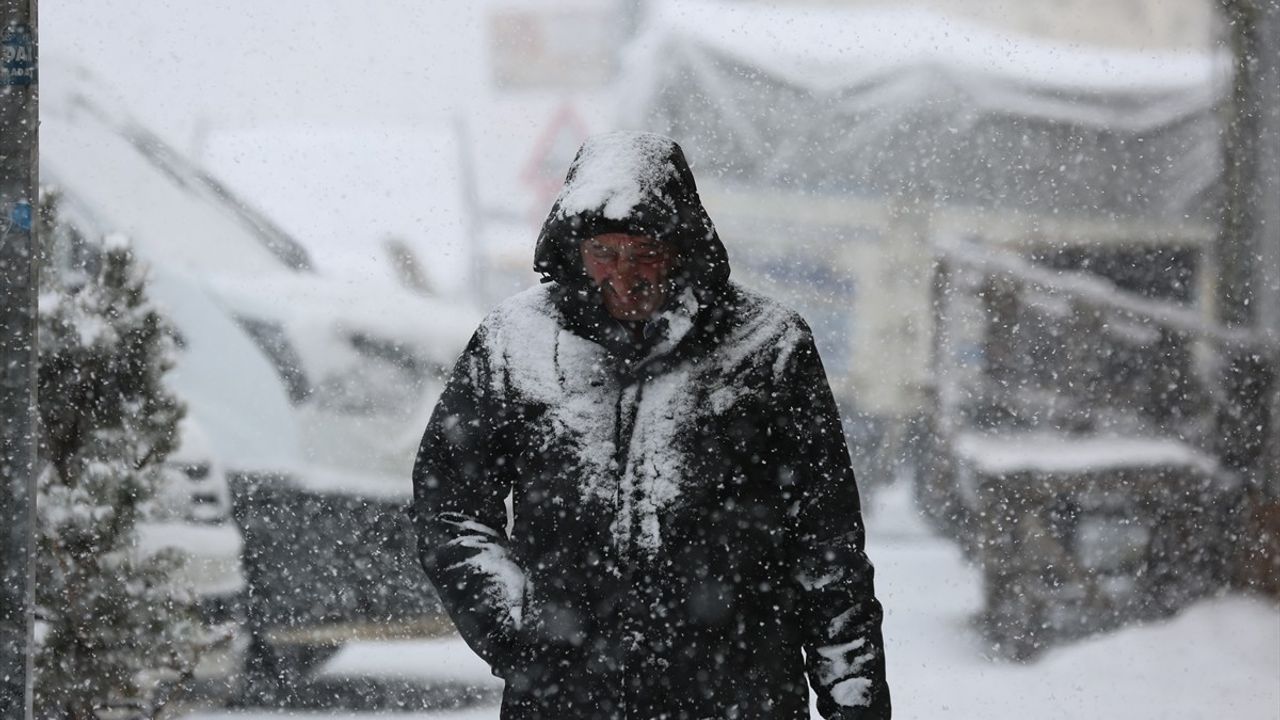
686 539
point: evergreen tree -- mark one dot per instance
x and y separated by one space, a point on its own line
113 623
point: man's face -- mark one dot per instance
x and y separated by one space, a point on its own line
631 271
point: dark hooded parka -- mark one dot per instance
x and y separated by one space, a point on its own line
686 529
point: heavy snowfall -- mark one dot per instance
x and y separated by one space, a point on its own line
314 385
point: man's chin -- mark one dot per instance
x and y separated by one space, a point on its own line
630 313
636 316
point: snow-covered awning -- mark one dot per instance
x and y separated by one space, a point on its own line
889 101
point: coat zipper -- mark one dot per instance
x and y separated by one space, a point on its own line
626 412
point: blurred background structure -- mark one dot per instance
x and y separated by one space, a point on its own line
1038 242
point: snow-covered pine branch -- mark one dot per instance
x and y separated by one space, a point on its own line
114 623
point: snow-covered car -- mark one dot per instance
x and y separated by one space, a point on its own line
306 394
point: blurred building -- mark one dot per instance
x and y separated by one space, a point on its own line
550 72
840 156
1005 224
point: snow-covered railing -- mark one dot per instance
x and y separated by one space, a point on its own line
1094 292
1055 453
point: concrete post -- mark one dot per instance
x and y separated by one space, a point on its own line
18 188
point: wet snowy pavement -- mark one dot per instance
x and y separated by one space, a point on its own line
1218 659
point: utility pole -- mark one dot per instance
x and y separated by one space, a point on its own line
19 183
1267 223
1249 241
1248 285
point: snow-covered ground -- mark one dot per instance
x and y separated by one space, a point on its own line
1218 659
441 660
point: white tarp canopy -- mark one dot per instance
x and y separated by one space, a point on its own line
887 101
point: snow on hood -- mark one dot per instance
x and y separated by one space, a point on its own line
637 183
616 172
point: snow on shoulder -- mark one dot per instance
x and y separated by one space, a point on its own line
616 172
522 341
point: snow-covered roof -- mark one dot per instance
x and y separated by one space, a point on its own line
122 178
343 189
134 183
890 101
215 261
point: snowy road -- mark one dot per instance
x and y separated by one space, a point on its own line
1219 659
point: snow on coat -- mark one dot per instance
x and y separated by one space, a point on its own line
686 526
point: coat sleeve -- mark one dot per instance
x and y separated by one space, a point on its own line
839 614
460 482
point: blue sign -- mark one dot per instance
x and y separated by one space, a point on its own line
18 49
21 216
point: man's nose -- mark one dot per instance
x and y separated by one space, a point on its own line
626 264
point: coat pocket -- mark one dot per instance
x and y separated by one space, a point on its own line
512 637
